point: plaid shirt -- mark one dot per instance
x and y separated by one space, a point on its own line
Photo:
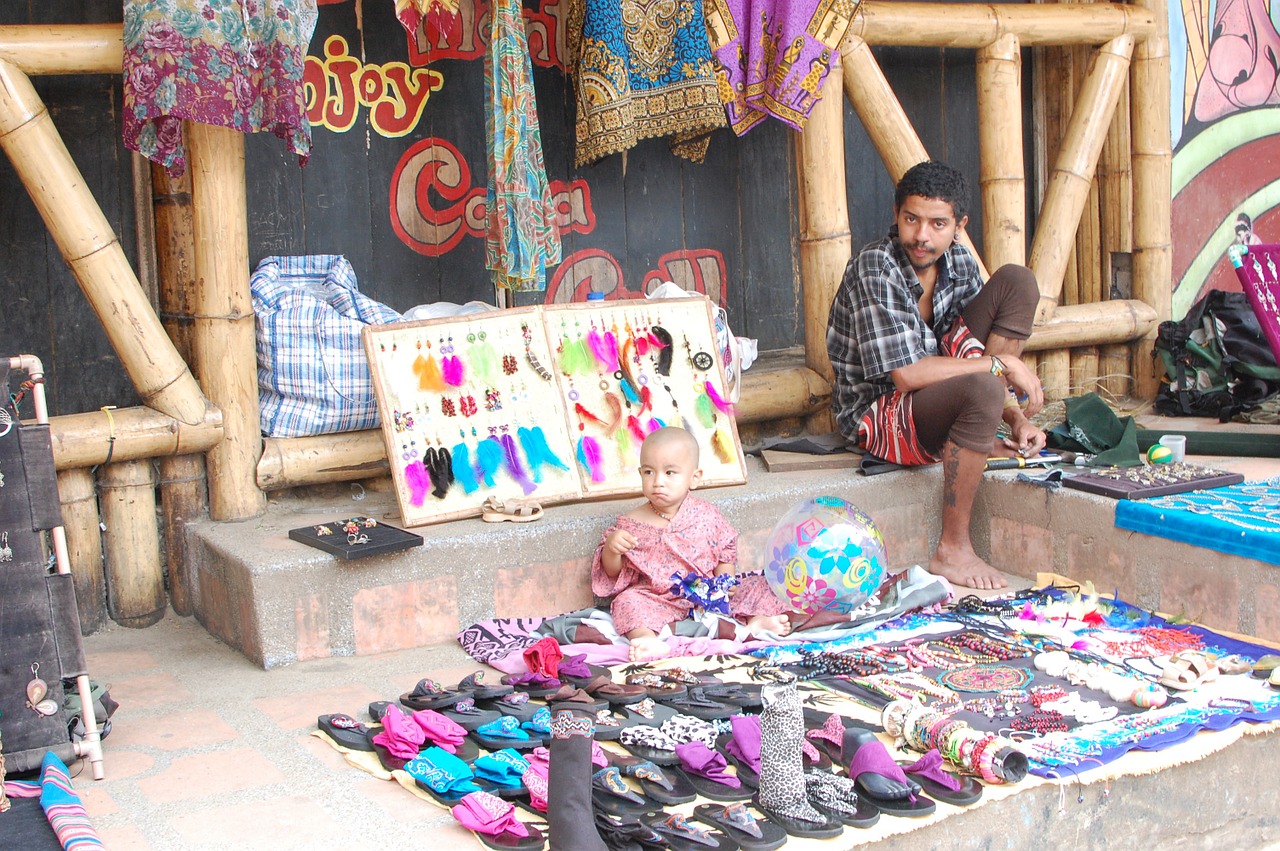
875 326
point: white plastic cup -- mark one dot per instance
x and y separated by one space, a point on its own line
1177 444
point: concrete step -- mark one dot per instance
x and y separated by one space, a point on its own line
278 601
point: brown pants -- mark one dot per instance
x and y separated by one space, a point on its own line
967 409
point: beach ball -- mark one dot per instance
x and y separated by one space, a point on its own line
1159 454
825 554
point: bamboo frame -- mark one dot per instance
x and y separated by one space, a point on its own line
1002 173
182 499
979 24
1115 321
825 239
128 434
223 336
79 499
135 580
91 250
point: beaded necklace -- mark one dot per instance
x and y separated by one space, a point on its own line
1154 641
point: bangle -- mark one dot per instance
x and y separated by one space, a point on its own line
997 366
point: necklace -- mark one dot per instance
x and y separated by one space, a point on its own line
661 514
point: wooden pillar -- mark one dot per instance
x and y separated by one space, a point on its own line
92 251
223 344
1072 176
1152 187
1054 368
825 242
1002 172
1084 370
182 499
135 579
885 120
1114 370
84 546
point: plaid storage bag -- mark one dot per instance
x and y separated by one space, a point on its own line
313 376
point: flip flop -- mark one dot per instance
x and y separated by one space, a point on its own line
534 685
516 705
697 704
610 725
481 691
616 694
879 780
503 771
465 714
751 832
496 510
610 793
494 823
1187 670
746 695
705 770
442 776
665 787
576 671
742 748
942 785
829 828
650 743
428 694
504 733
346 731
657 687
648 713
683 835
568 697
835 796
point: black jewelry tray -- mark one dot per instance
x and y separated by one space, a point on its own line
382 539
1124 489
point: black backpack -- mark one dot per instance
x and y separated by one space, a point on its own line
1216 361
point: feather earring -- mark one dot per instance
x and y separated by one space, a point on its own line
716 399
582 412
722 445
430 379
454 374
488 459
418 482
654 424
664 343
623 438
441 470
512 460
462 471
484 359
704 410
615 411
633 425
642 345
629 392
596 341
646 399
534 441
570 352
589 457
611 351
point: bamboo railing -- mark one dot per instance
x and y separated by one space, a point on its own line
1129 154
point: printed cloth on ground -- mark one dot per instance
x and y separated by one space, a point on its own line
773 55
236 65
641 70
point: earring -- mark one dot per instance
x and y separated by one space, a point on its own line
6 552
6 421
37 692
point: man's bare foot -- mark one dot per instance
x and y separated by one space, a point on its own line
966 570
776 624
647 648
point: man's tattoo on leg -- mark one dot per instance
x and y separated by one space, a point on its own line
950 472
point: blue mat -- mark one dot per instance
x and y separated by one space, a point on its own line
1242 519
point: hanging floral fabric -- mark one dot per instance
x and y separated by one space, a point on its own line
234 64
439 17
521 236
773 55
642 68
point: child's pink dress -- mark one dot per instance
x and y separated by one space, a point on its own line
695 541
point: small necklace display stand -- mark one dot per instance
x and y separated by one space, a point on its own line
40 643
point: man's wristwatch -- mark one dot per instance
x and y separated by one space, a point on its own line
997 366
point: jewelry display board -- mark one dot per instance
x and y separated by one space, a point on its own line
546 403
355 537
1151 480
1258 268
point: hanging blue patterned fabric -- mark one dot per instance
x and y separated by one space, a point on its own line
521 236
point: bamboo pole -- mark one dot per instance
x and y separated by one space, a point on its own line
782 393
84 546
884 119
135 579
91 249
85 440
977 25
1115 187
1152 185
1089 248
39 49
1055 374
1084 370
1114 371
1115 321
183 498
1002 175
224 349
825 241
1073 173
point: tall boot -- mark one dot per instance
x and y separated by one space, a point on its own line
569 816
783 796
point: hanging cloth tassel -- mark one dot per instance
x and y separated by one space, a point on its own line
418 482
511 458
453 371
589 457
536 450
462 471
722 445
488 459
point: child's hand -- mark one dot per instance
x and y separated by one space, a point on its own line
619 542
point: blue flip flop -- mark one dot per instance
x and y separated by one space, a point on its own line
442 775
504 771
504 733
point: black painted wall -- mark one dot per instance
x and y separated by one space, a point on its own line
732 218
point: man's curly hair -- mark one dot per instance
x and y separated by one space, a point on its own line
932 179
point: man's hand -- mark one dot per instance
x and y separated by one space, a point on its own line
1025 383
1027 439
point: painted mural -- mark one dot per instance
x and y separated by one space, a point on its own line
1225 67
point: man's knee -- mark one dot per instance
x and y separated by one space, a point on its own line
979 417
983 392
1018 295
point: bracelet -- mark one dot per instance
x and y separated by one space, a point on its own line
997 366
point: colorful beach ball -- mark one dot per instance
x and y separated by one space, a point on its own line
825 554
